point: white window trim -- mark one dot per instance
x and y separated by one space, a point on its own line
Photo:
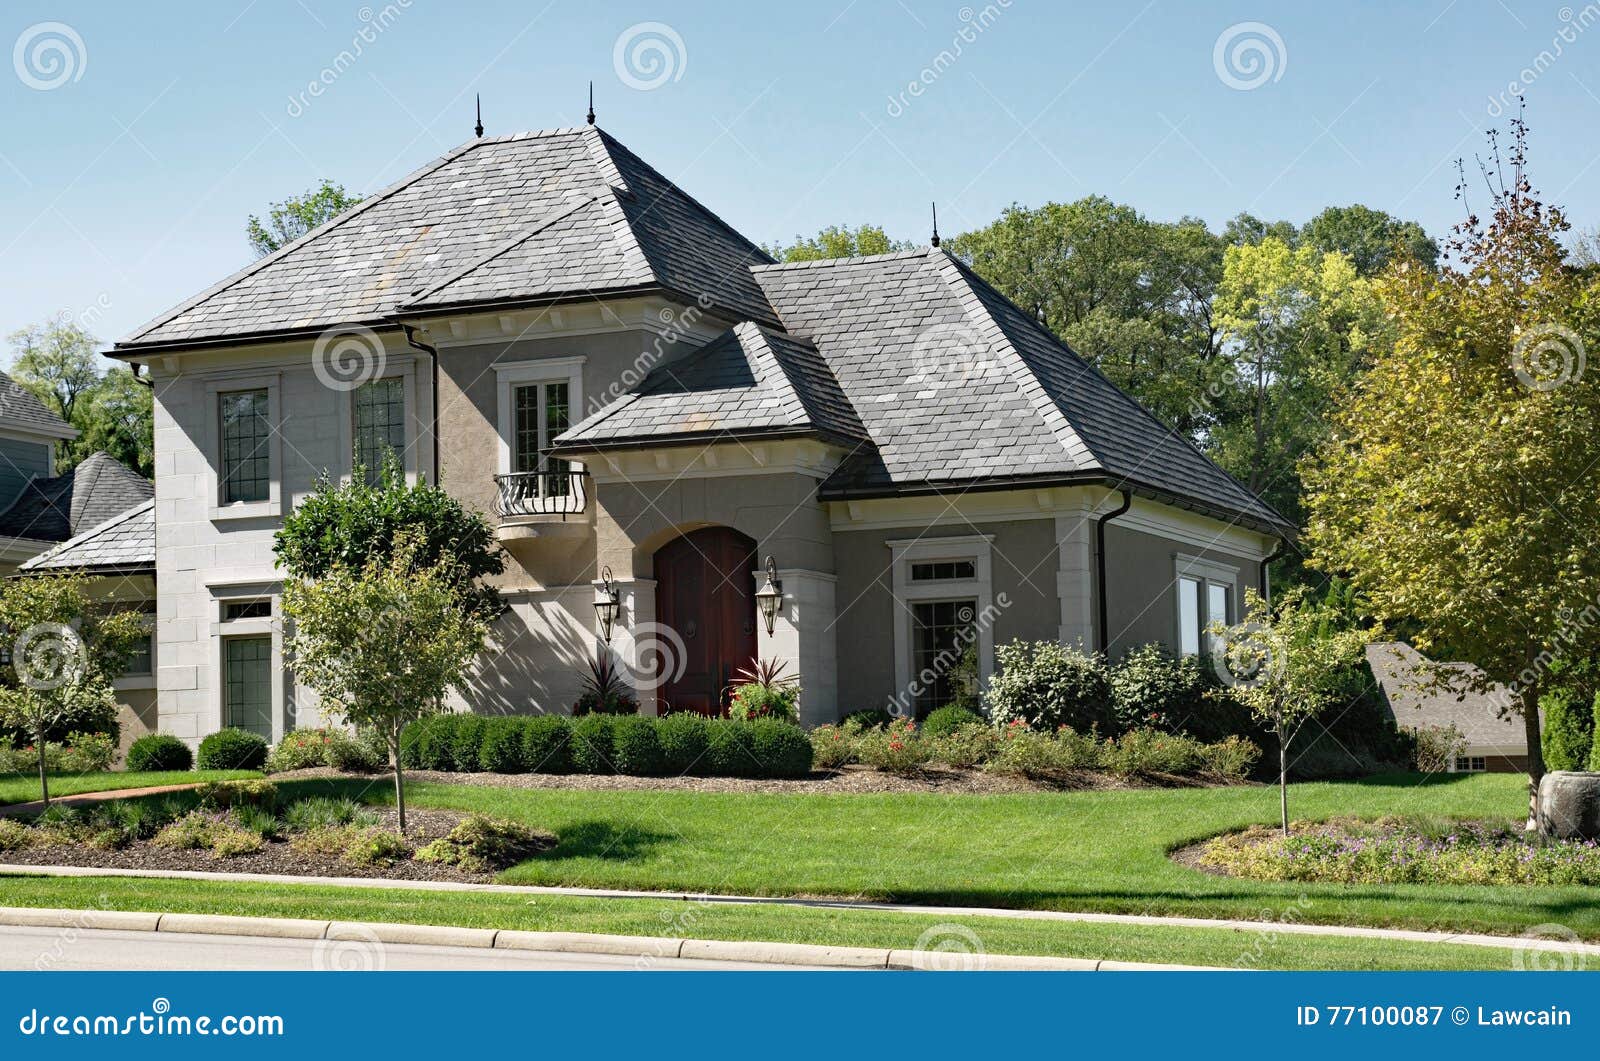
905 551
406 370
143 681
509 375
223 594
1207 573
272 383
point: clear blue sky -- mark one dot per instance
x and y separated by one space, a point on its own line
125 189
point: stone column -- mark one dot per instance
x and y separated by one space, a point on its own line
643 649
803 637
1075 576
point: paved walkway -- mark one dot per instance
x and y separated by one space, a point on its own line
1528 942
34 807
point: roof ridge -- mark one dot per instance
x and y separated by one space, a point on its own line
773 371
78 539
294 245
837 263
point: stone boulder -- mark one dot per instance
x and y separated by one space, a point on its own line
1569 805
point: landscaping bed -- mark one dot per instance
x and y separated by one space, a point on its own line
1399 850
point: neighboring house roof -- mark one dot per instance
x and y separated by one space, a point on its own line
1401 673
125 543
749 381
55 509
20 406
531 217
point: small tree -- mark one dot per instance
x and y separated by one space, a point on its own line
295 216
64 652
1286 664
382 645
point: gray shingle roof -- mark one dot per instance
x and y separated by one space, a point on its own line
956 385
125 542
20 406
1399 671
747 381
55 509
502 219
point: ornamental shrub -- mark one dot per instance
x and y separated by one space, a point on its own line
1150 687
427 743
232 749
779 749
754 700
684 736
1047 686
968 746
364 753
592 745
159 751
636 747
299 750
728 750
833 746
465 741
899 749
869 718
1568 733
946 720
500 750
481 844
546 744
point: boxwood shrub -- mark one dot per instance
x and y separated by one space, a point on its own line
546 744
684 737
501 748
636 747
159 751
592 752
465 741
232 749
943 721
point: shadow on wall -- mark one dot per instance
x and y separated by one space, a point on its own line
537 657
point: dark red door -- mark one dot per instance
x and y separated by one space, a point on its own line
705 590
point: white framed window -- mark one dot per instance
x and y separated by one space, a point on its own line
1468 764
1207 594
944 599
245 446
379 415
248 685
538 400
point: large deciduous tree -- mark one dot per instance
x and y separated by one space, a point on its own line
1370 238
838 241
1461 487
295 216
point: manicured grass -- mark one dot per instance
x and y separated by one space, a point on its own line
24 788
673 919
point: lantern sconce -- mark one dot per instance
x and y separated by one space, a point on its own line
607 603
770 596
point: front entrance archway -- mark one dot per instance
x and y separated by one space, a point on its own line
705 591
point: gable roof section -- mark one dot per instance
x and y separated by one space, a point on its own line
126 543
958 387
1400 672
502 219
55 509
21 407
747 382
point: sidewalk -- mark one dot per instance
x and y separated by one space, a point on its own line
12 810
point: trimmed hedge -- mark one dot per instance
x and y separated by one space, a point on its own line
232 749
159 751
608 744
943 721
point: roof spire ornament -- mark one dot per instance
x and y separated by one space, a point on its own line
590 117
935 224
479 127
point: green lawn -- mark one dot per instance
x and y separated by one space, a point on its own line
671 919
24 788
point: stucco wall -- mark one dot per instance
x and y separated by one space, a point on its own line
1142 605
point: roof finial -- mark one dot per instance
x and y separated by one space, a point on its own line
591 103
479 127
935 224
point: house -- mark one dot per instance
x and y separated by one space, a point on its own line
1495 740
29 432
655 413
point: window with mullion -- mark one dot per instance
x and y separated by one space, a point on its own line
941 631
542 411
246 457
380 415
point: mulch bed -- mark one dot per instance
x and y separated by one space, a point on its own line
276 857
849 780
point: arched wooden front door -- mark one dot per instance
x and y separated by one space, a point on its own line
705 591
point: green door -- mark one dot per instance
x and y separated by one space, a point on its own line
247 685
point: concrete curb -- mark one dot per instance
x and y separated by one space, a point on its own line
644 947
1275 927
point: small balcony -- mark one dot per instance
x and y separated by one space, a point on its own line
529 495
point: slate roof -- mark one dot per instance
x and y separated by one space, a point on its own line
534 216
1397 667
20 406
125 543
58 508
748 381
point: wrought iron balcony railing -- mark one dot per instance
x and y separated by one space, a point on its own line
564 493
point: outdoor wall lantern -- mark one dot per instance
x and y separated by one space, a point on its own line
607 603
770 596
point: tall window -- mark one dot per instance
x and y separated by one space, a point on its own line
1205 596
941 632
542 411
380 414
1189 616
247 692
246 455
